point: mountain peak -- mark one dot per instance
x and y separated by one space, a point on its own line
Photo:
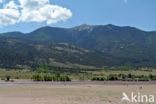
83 27
111 26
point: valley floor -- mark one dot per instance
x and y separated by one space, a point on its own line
70 93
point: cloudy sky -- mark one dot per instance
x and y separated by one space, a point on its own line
27 15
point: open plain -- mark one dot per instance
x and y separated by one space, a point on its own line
74 93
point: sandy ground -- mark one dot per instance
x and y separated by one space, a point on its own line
69 94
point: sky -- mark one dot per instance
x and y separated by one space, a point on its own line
28 15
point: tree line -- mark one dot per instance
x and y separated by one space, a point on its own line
124 77
50 78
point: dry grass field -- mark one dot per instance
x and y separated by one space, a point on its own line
69 94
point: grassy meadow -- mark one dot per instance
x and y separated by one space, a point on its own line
74 74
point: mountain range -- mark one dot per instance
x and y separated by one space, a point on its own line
88 45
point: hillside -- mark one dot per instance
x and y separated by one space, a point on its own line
97 45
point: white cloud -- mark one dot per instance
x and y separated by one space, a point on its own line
1 1
33 11
11 5
39 11
32 4
55 14
8 16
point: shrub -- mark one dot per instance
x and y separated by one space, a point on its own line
129 76
67 78
112 77
42 70
48 78
62 78
94 79
98 79
102 79
37 78
54 78
152 77
8 78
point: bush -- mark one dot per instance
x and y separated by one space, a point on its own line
112 77
129 76
37 78
54 78
152 77
42 70
94 79
48 78
8 78
67 78
98 79
102 79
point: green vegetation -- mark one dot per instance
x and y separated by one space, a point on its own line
7 78
42 70
16 74
93 53
95 46
50 78
124 77
53 73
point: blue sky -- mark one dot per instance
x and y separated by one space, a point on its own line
136 13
